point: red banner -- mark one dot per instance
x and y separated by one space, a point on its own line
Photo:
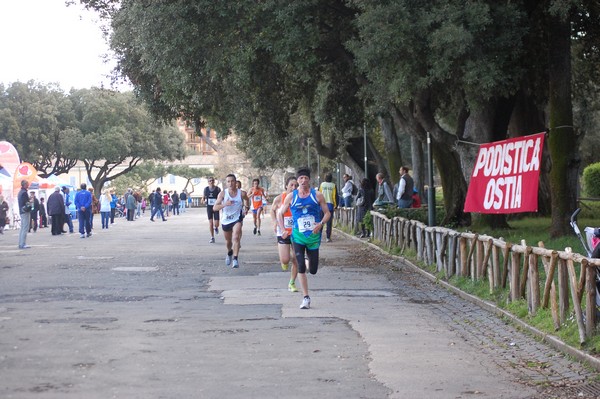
506 176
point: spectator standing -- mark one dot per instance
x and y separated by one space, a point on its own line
68 200
56 210
364 203
183 200
113 205
35 212
43 214
403 191
3 213
175 199
138 203
83 204
105 200
130 204
25 214
95 207
329 191
165 200
143 205
347 190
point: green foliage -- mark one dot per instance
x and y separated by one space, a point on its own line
278 73
35 118
591 180
114 130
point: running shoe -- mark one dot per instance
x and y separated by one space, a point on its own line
228 260
258 232
328 240
284 267
254 231
216 230
305 303
292 288
235 264
212 240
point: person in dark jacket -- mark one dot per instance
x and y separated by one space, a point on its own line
24 212
175 199
156 201
83 204
364 203
56 210
35 212
43 217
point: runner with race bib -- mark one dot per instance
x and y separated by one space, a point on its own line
211 192
284 245
307 205
234 203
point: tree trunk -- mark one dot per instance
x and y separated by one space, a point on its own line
390 138
528 118
562 140
418 164
488 123
446 159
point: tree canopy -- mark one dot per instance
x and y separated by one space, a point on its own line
277 73
34 118
110 132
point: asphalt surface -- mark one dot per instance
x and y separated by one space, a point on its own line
150 310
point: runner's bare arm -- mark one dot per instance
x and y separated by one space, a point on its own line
283 209
219 203
274 207
246 200
326 213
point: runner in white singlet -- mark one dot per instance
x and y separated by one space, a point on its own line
234 204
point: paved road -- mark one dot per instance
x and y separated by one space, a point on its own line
149 310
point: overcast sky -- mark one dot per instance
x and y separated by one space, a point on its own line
47 41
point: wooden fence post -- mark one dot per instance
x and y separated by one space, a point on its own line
590 304
514 276
534 284
525 274
464 264
575 297
563 290
505 258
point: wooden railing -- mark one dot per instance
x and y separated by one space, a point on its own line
544 278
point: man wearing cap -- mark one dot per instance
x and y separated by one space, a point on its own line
56 210
307 206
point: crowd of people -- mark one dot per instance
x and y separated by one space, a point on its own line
37 213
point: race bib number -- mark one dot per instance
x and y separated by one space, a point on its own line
211 201
231 217
258 198
306 223
288 222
